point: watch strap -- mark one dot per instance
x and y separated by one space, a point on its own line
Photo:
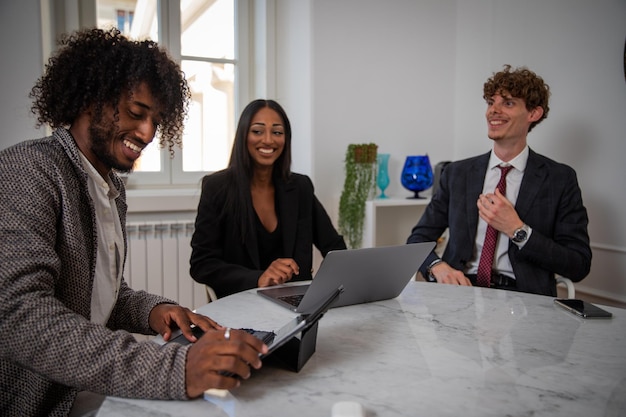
429 272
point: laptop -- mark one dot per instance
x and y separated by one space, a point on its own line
368 274
295 326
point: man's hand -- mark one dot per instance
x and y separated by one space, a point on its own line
498 212
445 274
164 318
279 272
215 362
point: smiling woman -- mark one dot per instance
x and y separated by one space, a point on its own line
266 139
257 221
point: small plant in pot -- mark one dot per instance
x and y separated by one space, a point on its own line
360 182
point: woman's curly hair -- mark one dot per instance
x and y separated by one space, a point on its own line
520 83
93 68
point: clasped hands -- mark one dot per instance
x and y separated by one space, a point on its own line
213 359
499 213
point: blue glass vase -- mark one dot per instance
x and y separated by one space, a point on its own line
382 178
417 174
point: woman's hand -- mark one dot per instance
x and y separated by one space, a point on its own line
279 272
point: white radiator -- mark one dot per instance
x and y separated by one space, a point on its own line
158 261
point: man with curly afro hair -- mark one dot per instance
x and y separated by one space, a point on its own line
65 309
519 238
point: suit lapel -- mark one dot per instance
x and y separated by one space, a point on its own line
534 177
288 212
473 187
251 244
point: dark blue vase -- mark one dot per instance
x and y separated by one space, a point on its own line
417 174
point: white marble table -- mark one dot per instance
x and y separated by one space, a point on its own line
436 350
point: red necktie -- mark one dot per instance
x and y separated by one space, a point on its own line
483 277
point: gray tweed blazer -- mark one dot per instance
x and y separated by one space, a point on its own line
50 349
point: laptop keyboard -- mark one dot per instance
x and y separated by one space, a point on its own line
294 300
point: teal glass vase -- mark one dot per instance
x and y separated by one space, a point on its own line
382 177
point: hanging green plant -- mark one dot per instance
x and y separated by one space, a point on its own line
360 181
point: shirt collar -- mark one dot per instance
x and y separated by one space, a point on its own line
95 176
519 162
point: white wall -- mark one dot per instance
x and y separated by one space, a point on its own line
293 72
408 75
382 72
20 66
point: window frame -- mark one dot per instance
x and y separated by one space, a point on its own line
169 23
255 53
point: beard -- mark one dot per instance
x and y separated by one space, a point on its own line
102 138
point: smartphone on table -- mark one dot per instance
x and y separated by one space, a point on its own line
583 308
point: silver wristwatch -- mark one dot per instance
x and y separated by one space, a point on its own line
520 235
429 272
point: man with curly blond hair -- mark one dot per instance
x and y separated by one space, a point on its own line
66 312
535 229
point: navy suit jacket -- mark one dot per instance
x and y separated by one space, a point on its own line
220 259
549 201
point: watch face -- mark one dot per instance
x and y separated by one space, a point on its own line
520 235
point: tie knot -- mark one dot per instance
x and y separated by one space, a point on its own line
505 170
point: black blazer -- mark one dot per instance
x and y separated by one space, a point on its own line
220 259
549 201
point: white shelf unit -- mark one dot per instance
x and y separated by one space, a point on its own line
389 221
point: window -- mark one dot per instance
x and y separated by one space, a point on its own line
204 36
125 19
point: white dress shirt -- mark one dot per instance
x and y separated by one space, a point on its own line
513 183
108 276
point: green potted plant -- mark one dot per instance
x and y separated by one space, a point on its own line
360 181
